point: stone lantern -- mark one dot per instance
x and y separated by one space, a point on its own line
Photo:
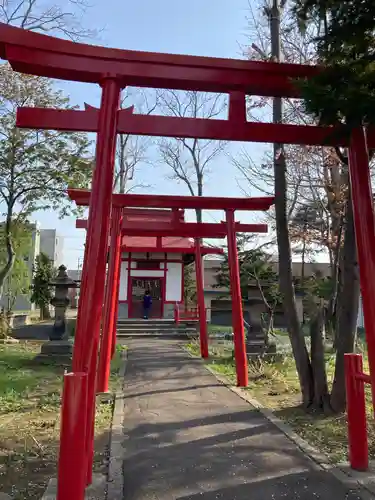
59 347
60 302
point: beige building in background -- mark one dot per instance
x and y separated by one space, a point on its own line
45 241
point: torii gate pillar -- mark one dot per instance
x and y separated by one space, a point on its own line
363 211
94 268
108 338
237 314
200 296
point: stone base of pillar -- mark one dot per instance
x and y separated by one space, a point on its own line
56 351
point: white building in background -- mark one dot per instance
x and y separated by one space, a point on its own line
52 245
45 241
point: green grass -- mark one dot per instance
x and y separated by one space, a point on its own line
219 329
30 395
275 385
72 327
21 381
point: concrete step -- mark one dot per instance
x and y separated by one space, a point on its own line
153 325
138 326
166 328
142 320
255 342
148 324
164 322
191 331
164 335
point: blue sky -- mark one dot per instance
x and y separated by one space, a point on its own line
199 27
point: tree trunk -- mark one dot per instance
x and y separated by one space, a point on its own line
122 166
198 211
297 341
348 302
269 326
303 272
44 312
331 320
11 254
321 395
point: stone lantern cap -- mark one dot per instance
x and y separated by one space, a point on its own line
62 279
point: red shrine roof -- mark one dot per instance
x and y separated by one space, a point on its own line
150 241
153 215
164 244
167 244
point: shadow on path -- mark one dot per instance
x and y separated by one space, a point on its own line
188 437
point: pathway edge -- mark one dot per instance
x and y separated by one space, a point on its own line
363 481
115 479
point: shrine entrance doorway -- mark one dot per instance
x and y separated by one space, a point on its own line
138 288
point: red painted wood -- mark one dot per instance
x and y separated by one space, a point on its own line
71 482
185 250
203 333
363 210
117 291
185 229
148 265
93 275
109 308
43 55
167 126
237 313
356 412
171 250
82 198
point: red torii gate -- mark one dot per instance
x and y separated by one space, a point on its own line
121 223
114 69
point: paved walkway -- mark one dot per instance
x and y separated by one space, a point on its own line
188 437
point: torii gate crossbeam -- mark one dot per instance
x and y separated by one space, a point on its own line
176 228
114 69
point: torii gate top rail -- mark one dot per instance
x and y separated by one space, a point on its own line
262 203
52 57
216 230
115 69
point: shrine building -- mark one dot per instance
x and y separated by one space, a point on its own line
155 264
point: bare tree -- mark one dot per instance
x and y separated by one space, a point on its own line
50 17
190 159
305 177
132 150
36 166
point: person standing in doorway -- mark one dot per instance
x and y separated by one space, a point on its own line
147 302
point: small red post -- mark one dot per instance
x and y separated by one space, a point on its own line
117 292
356 412
78 339
200 295
237 315
91 411
237 107
109 308
177 314
363 209
71 482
